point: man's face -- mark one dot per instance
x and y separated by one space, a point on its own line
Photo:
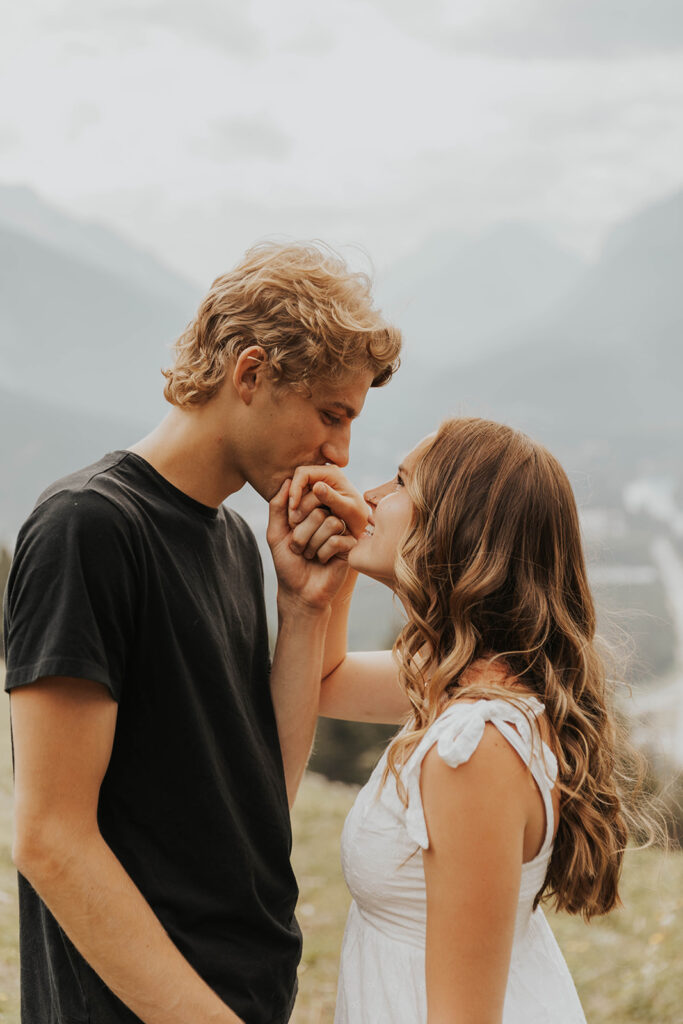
289 429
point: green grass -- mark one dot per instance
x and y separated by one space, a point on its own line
626 966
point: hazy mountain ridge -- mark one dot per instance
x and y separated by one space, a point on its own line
90 243
606 358
80 335
597 375
41 442
606 361
461 298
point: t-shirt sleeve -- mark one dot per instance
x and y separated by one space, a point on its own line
70 603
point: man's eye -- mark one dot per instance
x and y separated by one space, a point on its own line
331 420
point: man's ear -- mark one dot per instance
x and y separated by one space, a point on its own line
249 372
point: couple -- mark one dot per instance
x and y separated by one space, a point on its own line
158 749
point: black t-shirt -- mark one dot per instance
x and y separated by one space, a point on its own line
121 578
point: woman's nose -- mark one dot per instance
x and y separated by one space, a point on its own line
375 495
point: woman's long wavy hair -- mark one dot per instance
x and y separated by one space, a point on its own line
492 568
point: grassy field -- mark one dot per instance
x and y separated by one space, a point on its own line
627 967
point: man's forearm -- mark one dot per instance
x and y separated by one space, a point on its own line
109 921
295 685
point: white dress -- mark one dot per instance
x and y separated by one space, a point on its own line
382 972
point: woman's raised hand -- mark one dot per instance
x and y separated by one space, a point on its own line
326 487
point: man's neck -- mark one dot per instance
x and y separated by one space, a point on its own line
191 451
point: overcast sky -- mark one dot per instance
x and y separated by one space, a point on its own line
196 127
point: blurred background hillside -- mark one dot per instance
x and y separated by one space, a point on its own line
585 355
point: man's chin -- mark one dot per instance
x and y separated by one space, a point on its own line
270 488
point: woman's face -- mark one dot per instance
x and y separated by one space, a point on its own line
392 513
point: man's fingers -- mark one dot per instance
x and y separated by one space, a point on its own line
278 526
302 534
279 500
308 502
302 479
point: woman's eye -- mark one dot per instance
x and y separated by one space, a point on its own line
399 480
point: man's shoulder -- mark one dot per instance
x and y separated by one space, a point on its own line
88 480
87 498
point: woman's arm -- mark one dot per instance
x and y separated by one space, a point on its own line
476 816
364 687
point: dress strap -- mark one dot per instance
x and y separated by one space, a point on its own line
457 734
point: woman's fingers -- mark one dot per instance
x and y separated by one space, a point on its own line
310 536
303 479
350 507
335 547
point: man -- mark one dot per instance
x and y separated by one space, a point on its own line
152 826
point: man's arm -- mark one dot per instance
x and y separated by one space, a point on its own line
306 589
363 686
63 730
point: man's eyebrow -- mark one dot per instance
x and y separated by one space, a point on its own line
348 409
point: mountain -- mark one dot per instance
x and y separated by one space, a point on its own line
604 365
41 441
459 298
599 368
23 211
86 320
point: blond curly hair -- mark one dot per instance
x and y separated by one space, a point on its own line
313 316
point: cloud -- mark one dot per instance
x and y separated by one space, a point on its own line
224 24
531 29
313 42
576 29
238 138
10 138
83 117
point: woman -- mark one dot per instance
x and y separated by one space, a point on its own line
502 785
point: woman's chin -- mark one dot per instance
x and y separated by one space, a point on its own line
365 566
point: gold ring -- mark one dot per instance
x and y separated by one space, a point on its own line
344 527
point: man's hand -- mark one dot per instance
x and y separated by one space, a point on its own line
308 581
326 488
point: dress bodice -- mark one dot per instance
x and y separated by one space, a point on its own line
383 838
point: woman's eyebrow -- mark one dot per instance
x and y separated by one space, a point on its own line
402 470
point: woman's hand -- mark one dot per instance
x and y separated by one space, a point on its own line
325 488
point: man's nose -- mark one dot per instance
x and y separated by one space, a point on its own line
337 450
